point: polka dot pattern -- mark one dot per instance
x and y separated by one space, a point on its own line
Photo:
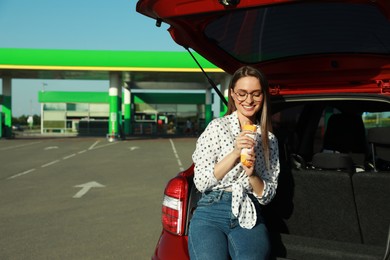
213 145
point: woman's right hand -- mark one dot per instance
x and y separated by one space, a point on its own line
243 141
229 161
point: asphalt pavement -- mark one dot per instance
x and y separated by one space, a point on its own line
85 198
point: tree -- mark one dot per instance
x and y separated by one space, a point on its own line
22 120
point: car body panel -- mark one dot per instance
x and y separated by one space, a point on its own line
342 62
169 243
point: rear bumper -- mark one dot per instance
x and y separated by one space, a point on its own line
171 247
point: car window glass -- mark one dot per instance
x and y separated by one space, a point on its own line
301 29
284 127
376 119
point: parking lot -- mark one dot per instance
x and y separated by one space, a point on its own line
85 198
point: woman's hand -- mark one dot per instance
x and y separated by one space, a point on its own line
229 161
254 179
251 157
243 141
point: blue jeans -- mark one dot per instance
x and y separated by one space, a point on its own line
216 235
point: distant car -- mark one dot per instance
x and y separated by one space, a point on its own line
17 128
328 65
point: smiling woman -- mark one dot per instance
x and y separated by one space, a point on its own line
230 186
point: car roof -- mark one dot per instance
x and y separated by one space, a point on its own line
300 45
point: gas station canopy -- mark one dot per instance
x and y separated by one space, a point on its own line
143 69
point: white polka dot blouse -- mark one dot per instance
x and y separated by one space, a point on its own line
213 145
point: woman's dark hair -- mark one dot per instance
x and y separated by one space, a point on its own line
263 115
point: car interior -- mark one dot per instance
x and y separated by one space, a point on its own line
334 178
335 174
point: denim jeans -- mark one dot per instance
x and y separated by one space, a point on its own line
216 235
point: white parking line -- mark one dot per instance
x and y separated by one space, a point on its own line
93 145
20 174
104 145
69 156
17 146
176 155
50 163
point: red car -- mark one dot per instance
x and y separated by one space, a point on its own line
328 65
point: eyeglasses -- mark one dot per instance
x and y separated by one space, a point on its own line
243 95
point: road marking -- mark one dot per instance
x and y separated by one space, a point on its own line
176 155
104 145
132 148
20 174
93 145
86 187
50 163
51 148
17 146
69 156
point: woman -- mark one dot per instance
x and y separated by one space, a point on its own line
228 221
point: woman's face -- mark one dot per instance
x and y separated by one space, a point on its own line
248 98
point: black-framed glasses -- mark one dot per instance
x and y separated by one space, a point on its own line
243 95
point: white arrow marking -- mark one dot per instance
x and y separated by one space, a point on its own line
132 148
86 187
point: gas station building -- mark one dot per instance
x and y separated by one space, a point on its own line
87 113
148 92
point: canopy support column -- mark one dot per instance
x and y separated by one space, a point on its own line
127 104
115 111
127 112
7 108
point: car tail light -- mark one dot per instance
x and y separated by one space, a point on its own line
174 205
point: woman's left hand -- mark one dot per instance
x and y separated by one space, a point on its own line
252 158
255 180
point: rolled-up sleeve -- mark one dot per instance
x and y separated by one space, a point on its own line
270 176
205 157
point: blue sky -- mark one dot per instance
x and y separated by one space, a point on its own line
74 24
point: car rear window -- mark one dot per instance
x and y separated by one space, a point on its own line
301 29
376 119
